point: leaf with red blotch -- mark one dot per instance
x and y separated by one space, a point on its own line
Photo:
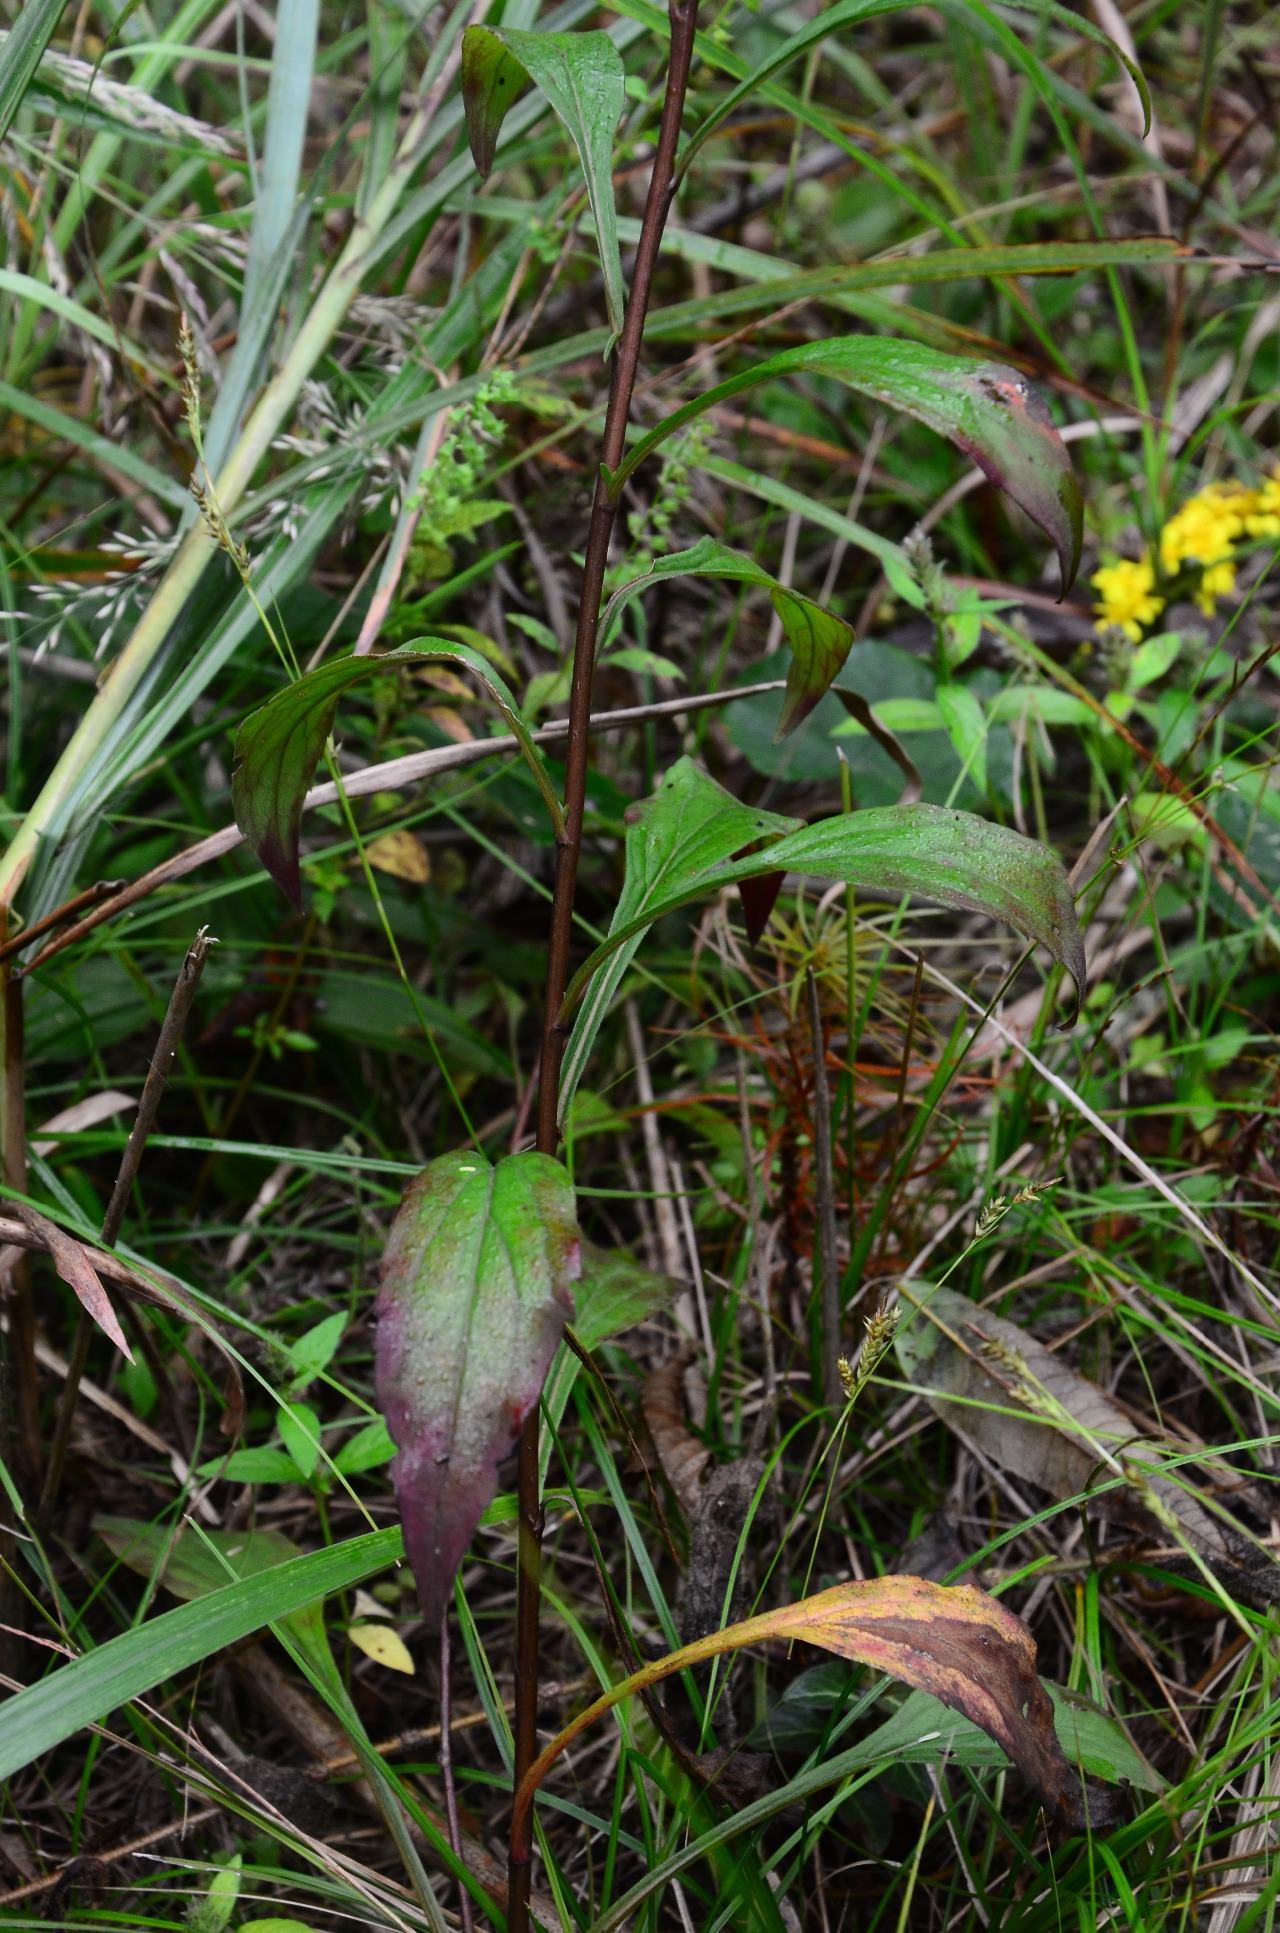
985 408
71 1260
476 1289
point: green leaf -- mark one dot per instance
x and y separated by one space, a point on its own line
1153 658
583 78
819 641
615 1293
966 728
476 1288
33 28
634 657
689 826
300 1434
312 1353
924 1731
368 1449
193 1563
253 1466
986 409
74 1695
945 855
278 748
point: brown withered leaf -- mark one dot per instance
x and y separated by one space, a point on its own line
997 1387
960 1644
71 1260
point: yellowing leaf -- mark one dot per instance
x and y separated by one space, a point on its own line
403 855
383 1645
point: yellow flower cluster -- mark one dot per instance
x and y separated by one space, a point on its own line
1203 533
1126 596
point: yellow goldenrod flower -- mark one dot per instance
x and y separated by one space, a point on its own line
1126 596
1206 527
1218 581
1263 519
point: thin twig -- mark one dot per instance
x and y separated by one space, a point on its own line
388 776
829 1379
446 1766
171 1031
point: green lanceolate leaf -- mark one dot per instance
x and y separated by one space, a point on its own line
583 78
986 409
945 855
477 1285
615 1293
279 747
690 826
818 640
78 1694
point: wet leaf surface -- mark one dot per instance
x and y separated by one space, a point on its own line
476 1287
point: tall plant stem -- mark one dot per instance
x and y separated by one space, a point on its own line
626 361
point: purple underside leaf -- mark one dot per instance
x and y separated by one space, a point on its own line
986 409
476 1289
279 746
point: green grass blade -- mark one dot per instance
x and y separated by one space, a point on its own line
20 56
80 1694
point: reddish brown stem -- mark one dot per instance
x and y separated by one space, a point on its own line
626 361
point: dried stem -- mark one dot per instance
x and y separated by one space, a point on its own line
662 188
829 1379
171 1031
446 1765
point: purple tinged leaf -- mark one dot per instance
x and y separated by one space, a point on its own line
475 1292
759 896
985 408
279 747
582 76
492 81
819 643
818 640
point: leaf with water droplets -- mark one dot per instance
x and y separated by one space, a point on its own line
476 1287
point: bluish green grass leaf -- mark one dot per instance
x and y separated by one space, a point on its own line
818 640
74 1695
279 747
476 1287
583 78
32 30
945 855
986 409
690 826
113 450
275 235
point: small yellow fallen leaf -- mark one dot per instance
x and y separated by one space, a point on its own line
384 1646
403 855
367 1606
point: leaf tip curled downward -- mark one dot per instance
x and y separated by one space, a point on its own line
492 80
1013 439
476 1287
